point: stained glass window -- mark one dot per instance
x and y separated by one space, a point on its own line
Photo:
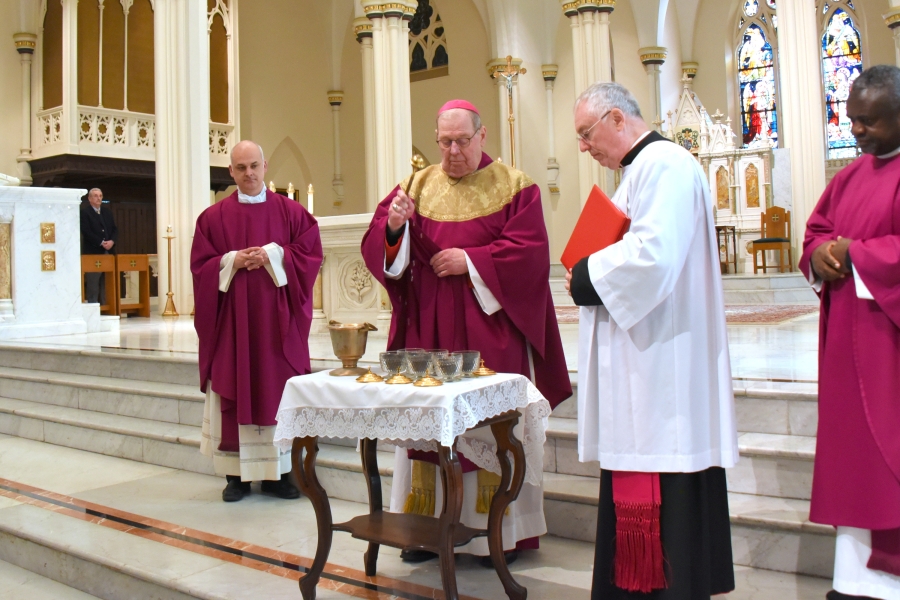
771 3
841 65
751 7
756 77
427 42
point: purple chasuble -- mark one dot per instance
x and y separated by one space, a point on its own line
510 250
856 479
255 336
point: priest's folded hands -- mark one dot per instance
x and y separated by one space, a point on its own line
251 258
831 260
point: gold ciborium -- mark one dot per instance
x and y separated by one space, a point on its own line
349 343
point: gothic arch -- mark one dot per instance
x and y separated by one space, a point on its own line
756 60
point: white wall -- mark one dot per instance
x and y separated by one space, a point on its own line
10 89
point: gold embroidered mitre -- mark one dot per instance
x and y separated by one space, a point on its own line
484 192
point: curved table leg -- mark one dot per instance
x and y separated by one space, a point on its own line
373 483
507 491
305 472
452 485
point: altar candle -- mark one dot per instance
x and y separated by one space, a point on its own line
309 199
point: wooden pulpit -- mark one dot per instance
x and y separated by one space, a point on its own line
103 263
141 264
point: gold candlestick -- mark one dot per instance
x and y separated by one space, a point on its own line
170 303
510 74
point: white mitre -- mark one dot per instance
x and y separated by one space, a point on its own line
8 180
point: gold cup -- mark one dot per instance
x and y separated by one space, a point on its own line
349 343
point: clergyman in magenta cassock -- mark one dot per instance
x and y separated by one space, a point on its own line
252 323
851 255
501 305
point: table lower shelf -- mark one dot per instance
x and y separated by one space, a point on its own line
411 532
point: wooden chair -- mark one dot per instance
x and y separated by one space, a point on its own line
775 229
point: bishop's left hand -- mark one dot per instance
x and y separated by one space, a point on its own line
449 262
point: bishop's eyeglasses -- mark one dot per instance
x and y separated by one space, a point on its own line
460 142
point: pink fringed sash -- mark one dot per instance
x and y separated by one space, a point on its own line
639 563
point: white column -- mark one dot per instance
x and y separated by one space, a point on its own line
335 97
393 124
549 72
25 44
182 136
652 57
363 28
589 22
71 129
892 20
802 110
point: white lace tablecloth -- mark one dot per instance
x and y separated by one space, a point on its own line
417 417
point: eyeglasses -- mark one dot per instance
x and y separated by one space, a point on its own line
585 136
460 143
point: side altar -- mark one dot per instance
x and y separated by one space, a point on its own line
40 265
743 181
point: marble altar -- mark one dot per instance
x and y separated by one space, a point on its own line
40 265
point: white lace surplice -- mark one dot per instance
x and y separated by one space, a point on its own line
417 417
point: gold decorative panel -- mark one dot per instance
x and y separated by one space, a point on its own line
48 233
48 260
113 73
88 53
5 263
722 201
751 183
141 75
218 71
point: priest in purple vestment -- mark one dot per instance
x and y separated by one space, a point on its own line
254 260
851 255
465 260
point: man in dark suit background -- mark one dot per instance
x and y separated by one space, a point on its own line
98 236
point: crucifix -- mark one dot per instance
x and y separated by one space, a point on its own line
658 123
510 75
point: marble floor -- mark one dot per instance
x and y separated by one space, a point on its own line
784 351
48 489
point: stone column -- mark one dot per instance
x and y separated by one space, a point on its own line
802 115
589 21
363 28
393 122
25 44
71 129
335 97
892 20
182 136
549 72
652 57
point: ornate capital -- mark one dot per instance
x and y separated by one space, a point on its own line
549 72
25 42
335 97
572 7
362 27
689 69
892 19
653 55
498 64
375 9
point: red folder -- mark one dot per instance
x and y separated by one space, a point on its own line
600 224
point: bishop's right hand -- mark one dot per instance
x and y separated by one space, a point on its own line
402 207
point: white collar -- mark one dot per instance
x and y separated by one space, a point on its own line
890 154
245 199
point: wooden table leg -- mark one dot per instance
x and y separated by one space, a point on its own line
373 482
507 491
452 486
305 472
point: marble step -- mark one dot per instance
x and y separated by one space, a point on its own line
151 400
17 583
787 408
117 363
801 295
154 442
770 281
100 562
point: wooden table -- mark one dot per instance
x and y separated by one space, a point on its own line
722 233
310 401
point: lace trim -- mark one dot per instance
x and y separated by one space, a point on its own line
423 428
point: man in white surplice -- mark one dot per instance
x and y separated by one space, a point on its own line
655 399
